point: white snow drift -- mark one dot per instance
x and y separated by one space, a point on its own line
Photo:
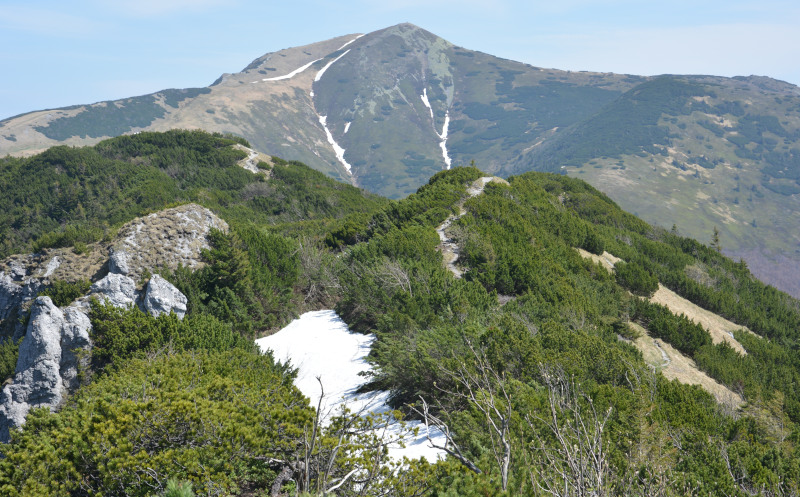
339 151
443 135
319 344
329 64
293 73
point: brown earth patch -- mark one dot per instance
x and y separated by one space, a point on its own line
676 366
720 329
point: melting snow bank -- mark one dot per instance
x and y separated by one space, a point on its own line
427 102
319 344
339 151
351 41
443 135
329 64
291 74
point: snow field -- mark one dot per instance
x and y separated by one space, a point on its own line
319 344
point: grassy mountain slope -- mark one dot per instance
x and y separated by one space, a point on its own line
699 153
691 151
531 335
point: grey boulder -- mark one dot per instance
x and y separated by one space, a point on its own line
162 297
119 290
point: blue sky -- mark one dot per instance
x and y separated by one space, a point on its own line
56 53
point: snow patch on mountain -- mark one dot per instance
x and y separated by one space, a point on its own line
427 102
351 41
293 73
329 64
443 135
320 345
339 151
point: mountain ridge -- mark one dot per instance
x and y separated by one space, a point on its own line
533 333
666 147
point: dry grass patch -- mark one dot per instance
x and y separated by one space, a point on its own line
720 329
676 366
606 260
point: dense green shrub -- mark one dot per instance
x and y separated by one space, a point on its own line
635 278
63 293
593 243
208 417
9 352
119 334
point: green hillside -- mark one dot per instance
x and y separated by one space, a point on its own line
67 195
698 152
528 358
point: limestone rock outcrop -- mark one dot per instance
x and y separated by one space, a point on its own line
161 297
48 362
163 239
117 289
50 354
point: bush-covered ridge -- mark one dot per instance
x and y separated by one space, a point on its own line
193 395
67 195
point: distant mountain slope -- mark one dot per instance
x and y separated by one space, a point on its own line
699 152
387 110
385 98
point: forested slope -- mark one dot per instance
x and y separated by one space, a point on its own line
523 357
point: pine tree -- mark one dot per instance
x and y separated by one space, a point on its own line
715 240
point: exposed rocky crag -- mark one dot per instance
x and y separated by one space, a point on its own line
48 362
56 340
166 238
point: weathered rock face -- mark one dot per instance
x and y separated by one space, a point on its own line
118 262
50 354
118 289
161 297
48 362
163 239
74 340
10 295
15 290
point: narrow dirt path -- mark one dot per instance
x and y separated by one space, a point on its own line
664 355
448 245
251 161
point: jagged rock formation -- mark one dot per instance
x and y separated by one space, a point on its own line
12 293
48 362
50 353
117 289
165 238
